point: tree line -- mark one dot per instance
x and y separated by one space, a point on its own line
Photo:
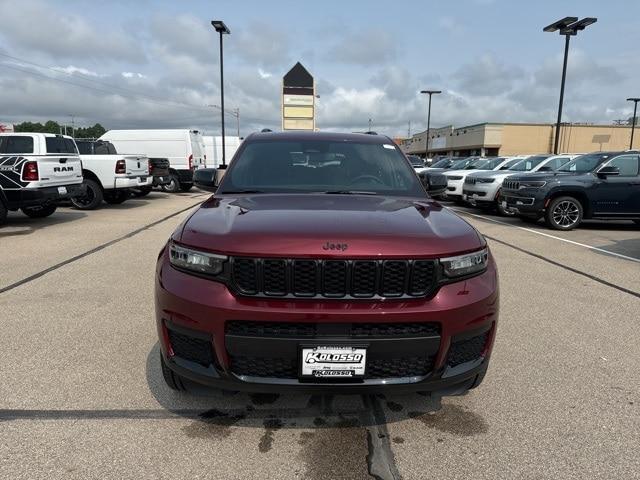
54 127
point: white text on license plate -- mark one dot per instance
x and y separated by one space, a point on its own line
333 361
62 190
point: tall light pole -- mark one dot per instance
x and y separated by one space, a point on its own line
568 26
430 93
221 28
635 101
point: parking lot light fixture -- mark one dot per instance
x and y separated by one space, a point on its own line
430 93
635 101
222 29
567 26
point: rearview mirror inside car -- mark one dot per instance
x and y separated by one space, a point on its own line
206 179
435 183
608 170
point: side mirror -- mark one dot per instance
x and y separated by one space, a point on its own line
434 183
206 179
546 168
604 172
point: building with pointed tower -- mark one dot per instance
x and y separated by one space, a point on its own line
298 99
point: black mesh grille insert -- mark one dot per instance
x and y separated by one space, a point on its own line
300 329
333 278
394 274
422 276
399 367
395 329
194 349
363 279
264 367
467 350
305 273
287 367
275 277
271 329
245 275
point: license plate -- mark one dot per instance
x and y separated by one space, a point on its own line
62 190
504 204
333 362
465 197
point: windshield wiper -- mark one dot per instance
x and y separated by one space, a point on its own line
348 192
241 191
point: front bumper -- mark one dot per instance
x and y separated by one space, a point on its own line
454 188
524 201
133 182
480 193
27 197
194 309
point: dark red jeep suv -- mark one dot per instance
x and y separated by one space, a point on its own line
321 264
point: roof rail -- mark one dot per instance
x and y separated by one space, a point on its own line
371 132
266 130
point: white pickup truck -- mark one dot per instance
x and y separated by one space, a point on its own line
37 170
109 176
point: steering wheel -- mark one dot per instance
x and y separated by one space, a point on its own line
367 177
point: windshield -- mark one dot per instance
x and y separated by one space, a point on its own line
444 163
510 164
584 163
528 163
459 164
416 161
484 164
292 166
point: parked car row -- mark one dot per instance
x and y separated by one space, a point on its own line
38 170
561 189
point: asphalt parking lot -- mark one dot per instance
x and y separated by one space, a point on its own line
82 395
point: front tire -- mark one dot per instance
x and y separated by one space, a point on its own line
174 184
564 213
93 197
172 379
503 212
40 211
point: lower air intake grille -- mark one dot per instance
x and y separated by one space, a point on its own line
467 350
193 349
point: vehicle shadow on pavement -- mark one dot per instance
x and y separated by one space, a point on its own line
341 434
19 224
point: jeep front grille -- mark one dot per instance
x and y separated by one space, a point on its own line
333 278
511 184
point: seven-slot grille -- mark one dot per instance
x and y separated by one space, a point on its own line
511 184
470 180
333 278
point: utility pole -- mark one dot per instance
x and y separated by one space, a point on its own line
409 130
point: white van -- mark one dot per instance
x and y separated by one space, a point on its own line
213 149
183 148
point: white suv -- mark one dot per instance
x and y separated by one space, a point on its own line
482 189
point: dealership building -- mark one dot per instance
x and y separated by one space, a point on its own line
492 139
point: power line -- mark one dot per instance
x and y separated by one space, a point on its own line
89 78
101 90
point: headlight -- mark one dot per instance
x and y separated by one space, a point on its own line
532 184
195 260
465 264
454 177
485 180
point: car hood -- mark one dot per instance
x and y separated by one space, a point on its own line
301 225
462 173
548 176
497 174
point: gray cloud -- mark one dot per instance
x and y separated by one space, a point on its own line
35 25
372 46
487 76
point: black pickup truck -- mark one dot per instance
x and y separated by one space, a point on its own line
600 185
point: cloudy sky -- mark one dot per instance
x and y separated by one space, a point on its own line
147 64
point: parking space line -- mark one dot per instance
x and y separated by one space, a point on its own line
590 247
566 267
93 250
